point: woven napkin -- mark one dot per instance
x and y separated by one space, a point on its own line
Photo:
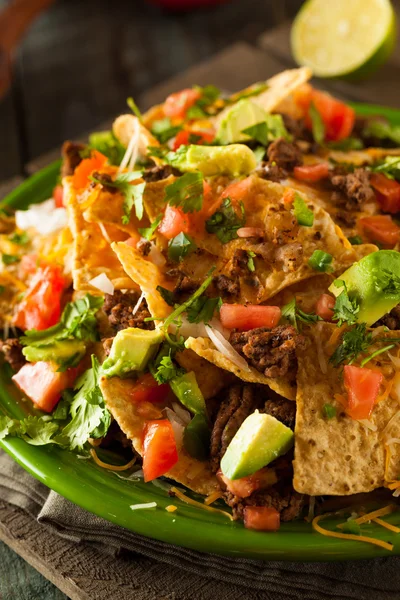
361 580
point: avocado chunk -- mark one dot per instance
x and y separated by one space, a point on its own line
374 281
131 350
62 352
235 160
260 439
242 115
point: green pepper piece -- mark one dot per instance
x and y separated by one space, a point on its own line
196 437
188 393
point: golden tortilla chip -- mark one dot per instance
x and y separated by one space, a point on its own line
341 456
125 126
108 208
210 378
92 254
206 349
188 471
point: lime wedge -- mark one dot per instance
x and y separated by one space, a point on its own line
344 38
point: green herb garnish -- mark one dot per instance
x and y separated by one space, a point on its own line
225 221
318 126
354 341
180 246
19 238
148 232
10 259
292 313
345 309
186 192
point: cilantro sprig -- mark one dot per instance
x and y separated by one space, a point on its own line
133 194
354 342
267 131
293 314
186 192
225 222
390 167
345 309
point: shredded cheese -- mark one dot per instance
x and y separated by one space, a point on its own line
213 497
386 391
171 508
381 512
348 536
387 525
111 467
188 500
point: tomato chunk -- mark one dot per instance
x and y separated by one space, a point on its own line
238 190
388 195
362 387
324 307
177 105
58 195
243 487
261 518
43 384
159 449
174 221
337 117
382 229
146 389
244 318
312 172
41 305
86 168
183 138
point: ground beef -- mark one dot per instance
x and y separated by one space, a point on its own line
272 172
226 286
297 128
240 261
391 320
118 307
158 173
285 154
183 283
144 247
71 155
282 497
12 350
238 402
345 218
105 180
282 409
354 187
270 351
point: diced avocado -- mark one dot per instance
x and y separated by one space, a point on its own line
242 115
235 160
60 352
260 439
374 281
188 393
131 350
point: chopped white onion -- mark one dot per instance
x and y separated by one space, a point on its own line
395 360
104 233
226 348
368 424
102 283
396 493
138 303
143 506
177 426
44 217
156 256
183 414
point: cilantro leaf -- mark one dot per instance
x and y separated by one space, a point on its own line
10 259
258 132
36 431
2 289
202 309
390 167
133 194
106 143
269 130
354 342
167 370
79 317
318 126
292 313
19 238
148 232
186 192
163 130
304 215
180 246
225 221
166 295
345 309
350 143
202 107
383 131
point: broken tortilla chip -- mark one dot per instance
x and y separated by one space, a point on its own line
188 471
339 455
206 349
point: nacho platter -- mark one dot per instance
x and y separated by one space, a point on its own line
131 271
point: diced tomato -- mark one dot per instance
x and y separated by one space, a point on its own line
242 487
312 172
261 518
174 221
133 240
177 105
324 307
43 384
29 265
159 449
244 318
338 117
183 138
41 305
58 195
238 190
382 229
362 387
146 389
388 192
288 197
86 168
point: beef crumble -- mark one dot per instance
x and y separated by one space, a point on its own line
354 188
71 155
12 350
271 172
118 307
282 409
158 173
144 247
284 154
226 286
391 320
270 351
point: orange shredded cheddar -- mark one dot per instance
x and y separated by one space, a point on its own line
387 525
386 391
213 497
349 536
171 508
393 485
111 467
188 500
381 512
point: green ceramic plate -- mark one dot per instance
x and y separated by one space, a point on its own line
106 495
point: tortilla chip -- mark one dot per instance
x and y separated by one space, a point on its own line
92 254
210 378
206 349
124 128
108 208
188 471
340 456
146 275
